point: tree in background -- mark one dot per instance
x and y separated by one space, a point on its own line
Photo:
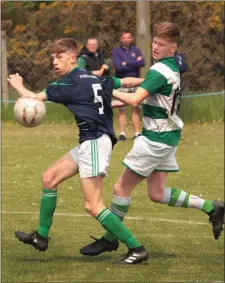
202 26
35 24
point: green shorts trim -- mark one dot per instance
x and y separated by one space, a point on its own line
133 170
164 170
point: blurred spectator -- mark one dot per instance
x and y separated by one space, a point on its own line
181 62
128 60
92 59
182 66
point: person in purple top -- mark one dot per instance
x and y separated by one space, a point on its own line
128 60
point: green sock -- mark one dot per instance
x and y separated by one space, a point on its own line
47 208
112 223
119 207
179 198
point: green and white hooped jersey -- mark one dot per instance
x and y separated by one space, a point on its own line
160 120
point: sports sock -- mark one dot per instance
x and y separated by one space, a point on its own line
119 207
47 208
179 198
112 223
122 134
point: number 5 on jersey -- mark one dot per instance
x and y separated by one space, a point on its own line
98 97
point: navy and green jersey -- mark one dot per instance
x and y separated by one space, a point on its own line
160 120
89 98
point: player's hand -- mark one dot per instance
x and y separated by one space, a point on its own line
124 63
105 67
139 58
15 80
117 104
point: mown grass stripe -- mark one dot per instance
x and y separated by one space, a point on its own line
151 219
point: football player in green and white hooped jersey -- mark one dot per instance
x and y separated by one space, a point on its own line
153 153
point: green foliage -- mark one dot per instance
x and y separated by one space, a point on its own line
18 12
117 17
35 24
203 40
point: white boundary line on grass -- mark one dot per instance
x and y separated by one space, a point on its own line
153 219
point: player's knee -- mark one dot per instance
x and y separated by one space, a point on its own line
47 180
155 196
117 188
93 208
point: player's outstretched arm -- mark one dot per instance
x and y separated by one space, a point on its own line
133 99
16 81
100 71
117 104
131 82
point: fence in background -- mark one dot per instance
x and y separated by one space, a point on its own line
198 108
204 47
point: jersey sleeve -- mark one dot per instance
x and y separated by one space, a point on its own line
108 85
53 94
117 82
153 82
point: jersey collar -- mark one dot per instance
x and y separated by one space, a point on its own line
76 67
166 58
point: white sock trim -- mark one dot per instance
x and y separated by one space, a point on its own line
167 194
117 211
181 198
121 200
195 202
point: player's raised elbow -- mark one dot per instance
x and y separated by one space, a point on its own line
134 102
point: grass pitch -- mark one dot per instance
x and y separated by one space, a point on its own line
179 240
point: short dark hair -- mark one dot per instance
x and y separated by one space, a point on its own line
125 31
167 30
90 38
63 45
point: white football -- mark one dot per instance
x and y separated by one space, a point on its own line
29 111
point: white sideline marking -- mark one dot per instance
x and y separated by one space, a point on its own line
128 217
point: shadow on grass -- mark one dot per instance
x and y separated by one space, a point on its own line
156 255
87 259
84 258
63 258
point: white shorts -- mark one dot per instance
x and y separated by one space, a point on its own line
93 156
147 156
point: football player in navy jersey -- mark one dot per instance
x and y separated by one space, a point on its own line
88 97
